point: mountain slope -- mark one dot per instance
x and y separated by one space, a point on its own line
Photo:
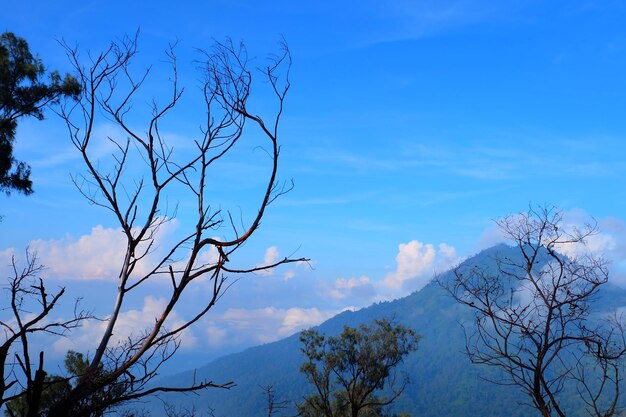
443 382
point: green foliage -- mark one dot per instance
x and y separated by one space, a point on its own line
349 371
98 402
23 93
54 387
443 380
57 387
76 364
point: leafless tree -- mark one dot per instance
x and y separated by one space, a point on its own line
185 411
29 305
274 405
533 316
139 200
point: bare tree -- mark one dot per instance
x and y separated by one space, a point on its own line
29 305
533 316
274 405
119 371
171 410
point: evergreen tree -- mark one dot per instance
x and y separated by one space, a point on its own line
23 92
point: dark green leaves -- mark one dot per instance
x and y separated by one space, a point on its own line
24 93
349 370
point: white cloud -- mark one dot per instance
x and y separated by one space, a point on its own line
413 259
296 319
216 335
361 287
99 254
271 256
491 236
616 228
209 256
352 282
6 256
609 242
291 273
263 325
130 323
601 242
416 263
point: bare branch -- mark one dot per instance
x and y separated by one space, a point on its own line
135 183
532 315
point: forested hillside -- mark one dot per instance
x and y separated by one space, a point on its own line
443 381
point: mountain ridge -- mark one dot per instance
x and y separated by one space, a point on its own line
443 381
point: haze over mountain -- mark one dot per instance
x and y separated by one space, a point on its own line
443 381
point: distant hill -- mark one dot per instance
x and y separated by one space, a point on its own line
443 381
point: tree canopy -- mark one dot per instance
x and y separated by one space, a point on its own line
24 92
349 371
55 387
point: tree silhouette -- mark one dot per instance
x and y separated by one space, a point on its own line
23 92
139 184
532 316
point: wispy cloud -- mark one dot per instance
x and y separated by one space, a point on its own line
507 159
361 287
404 20
240 326
316 201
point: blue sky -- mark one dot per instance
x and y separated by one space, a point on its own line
410 126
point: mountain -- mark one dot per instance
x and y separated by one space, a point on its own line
443 381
